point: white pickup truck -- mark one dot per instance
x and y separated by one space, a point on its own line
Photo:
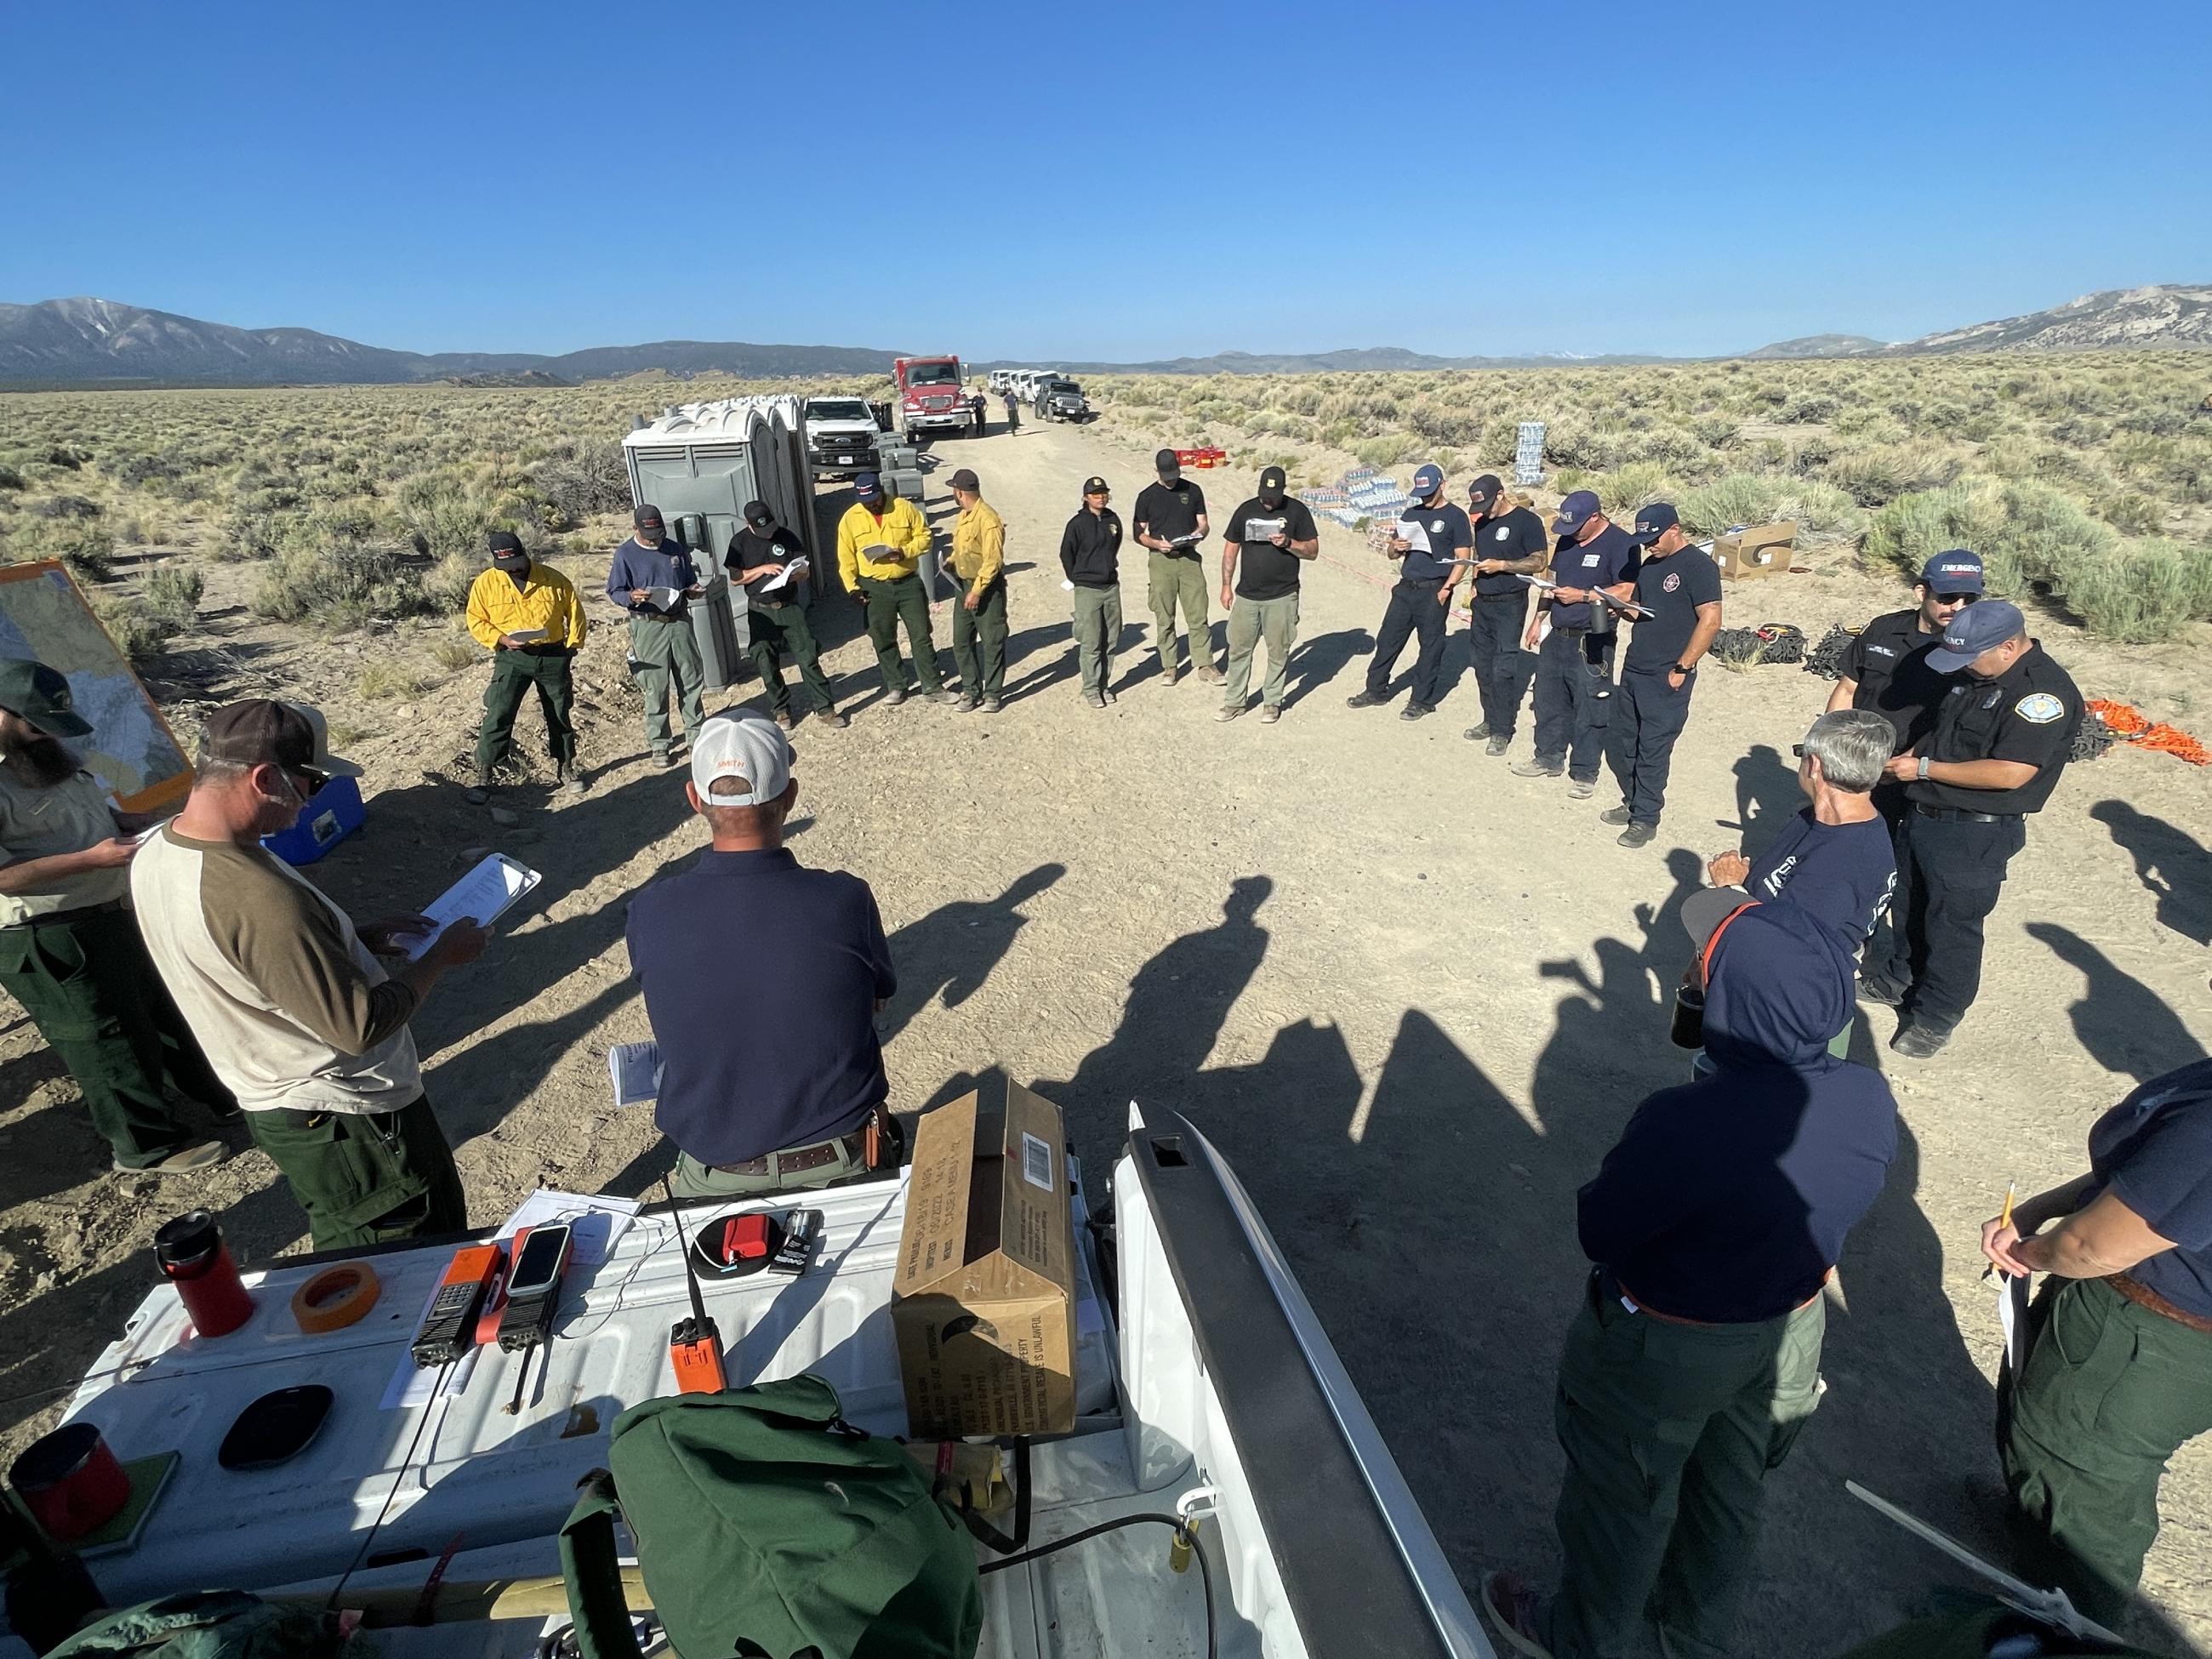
840 436
1204 1387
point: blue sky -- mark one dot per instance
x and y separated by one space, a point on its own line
1124 181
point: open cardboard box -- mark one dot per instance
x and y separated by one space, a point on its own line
1762 549
983 1306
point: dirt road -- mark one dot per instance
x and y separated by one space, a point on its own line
1411 998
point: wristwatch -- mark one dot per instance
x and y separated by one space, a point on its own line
1922 773
1684 668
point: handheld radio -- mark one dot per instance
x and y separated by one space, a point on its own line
448 1329
695 1345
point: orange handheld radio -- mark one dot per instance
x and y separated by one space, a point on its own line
695 1345
448 1330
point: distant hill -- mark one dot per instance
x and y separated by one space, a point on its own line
102 342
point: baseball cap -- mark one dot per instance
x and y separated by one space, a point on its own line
865 484
503 541
745 748
965 479
259 733
1958 571
1427 481
1167 463
758 512
1272 480
1575 512
1653 522
646 517
40 695
1484 490
1094 487
1973 631
1704 912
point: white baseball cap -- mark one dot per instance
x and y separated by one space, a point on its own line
746 748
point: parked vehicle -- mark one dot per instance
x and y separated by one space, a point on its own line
933 397
1059 398
841 437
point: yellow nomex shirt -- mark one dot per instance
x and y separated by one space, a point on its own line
546 600
979 545
903 530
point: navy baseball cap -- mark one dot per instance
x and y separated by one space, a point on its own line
646 517
1653 522
1957 571
1484 490
865 484
1973 631
1426 482
1575 512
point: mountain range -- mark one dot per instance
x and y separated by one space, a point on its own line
87 342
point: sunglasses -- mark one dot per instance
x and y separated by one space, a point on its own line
1956 599
1798 750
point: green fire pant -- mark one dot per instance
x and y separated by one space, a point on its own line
979 643
1180 582
890 603
1669 1431
368 1178
91 989
1251 621
666 651
512 674
779 629
2110 1392
1097 628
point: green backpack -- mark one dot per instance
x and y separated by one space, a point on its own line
766 1524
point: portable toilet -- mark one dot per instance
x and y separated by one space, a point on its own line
700 463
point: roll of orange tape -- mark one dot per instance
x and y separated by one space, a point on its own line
335 1298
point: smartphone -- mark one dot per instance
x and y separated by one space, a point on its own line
537 1268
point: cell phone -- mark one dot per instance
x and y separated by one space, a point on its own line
538 1269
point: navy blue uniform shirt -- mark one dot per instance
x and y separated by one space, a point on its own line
761 980
1726 1200
1449 537
1607 560
668 565
1670 588
1842 873
2154 1151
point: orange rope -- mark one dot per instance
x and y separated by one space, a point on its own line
2130 725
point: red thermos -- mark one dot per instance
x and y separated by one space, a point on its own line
193 1257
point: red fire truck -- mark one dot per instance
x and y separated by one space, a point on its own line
933 397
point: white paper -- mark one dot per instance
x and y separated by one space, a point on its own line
1263 530
1413 535
595 1221
1190 539
663 598
635 1070
2012 1319
495 883
790 573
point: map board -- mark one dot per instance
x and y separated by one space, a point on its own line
132 749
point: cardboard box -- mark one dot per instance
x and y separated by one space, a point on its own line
983 1307
1761 550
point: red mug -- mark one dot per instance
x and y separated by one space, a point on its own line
70 1482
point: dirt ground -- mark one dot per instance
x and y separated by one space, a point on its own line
1411 997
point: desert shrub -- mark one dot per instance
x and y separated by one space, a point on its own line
247 535
82 544
1882 472
445 586
2146 590
172 592
1387 451
342 588
1808 409
2135 513
138 633
442 515
1715 431
1570 441
1740 498
63 506
1624 489
385 678
11 477
454 652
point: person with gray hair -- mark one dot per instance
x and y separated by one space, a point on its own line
1833 859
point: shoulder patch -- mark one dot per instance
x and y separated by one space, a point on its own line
2039 707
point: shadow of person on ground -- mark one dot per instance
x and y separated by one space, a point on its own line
1315 662
955 947
1766 793
1059 664
2124 1025
2169 862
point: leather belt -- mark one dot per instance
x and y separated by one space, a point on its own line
854 1146
2143 1297
80 913
1960 815
1501 598
683 615
1622 1291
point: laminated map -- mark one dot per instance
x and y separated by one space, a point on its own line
132 749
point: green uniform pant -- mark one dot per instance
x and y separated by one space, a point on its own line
1098 627
1670 1430
1250 621
662 651
366 1178
901 600
695 1180
89 987
979 643
2111 1390
1179 581
512 674
783 628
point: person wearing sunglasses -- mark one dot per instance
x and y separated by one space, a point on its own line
1885 668
303 1016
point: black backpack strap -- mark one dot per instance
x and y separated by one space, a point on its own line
592 1571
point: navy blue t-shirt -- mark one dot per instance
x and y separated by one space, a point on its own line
1449 536
1670 589
2154 1151
1841 873
796 1059
1608 559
